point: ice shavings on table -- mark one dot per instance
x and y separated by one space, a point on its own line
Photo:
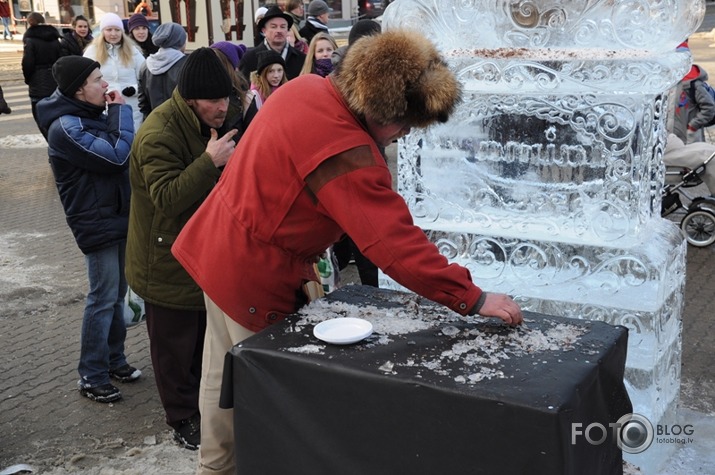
479 348
386 322
315 349
477 351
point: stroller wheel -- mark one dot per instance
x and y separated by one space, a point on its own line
699 228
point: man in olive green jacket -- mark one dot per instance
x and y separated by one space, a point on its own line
176 160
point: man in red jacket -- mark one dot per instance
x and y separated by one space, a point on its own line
288 193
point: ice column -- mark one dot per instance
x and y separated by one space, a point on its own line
546 181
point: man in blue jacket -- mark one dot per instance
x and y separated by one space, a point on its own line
90 133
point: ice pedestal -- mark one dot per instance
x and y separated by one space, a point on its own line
546 181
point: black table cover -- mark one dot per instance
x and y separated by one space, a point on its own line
409 404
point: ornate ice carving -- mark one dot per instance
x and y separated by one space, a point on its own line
546 181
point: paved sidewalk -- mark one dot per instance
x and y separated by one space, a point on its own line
42 290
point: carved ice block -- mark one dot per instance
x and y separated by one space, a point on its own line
546 181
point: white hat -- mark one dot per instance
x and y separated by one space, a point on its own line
111 19
259 13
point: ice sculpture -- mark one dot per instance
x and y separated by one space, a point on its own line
546 181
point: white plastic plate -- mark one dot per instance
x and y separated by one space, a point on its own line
343 331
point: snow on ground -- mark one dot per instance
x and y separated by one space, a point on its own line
23 141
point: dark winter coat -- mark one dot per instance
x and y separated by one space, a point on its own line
89 156
70 43
158 77
249 62
147 46
171 175
311 28
41 50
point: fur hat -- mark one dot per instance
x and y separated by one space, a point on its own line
111 19
274 12
70 73
398 76
137 20
317 8
169 35
233 52
266 58
204 77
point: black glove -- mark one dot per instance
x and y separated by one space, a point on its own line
129 91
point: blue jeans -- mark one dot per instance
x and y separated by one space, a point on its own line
6 27
103 327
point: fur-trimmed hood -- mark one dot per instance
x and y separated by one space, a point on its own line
398 76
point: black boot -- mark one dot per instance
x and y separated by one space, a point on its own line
4 109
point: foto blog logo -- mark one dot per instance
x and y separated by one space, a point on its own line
632 432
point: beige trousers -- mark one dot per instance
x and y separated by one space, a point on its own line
216 454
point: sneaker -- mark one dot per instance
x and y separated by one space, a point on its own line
189 433
105 393
125 374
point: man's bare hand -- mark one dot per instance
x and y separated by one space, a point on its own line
114 97
221 149
502 306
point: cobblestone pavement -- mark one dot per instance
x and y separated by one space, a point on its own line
42 289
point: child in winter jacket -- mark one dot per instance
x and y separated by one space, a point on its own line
269 76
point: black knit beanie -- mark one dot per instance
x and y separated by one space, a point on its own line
364 27
266 58
204 77
70 73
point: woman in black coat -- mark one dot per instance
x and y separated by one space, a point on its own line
76 39
40 51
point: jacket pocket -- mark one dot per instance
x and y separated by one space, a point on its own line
160 247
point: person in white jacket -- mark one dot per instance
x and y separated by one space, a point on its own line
121 61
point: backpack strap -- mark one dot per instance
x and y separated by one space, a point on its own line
691 90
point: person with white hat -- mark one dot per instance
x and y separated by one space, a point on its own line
120 59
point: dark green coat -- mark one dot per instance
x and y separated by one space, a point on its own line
170 174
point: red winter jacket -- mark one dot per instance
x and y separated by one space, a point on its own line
288 193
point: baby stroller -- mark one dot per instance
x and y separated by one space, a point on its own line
698 224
